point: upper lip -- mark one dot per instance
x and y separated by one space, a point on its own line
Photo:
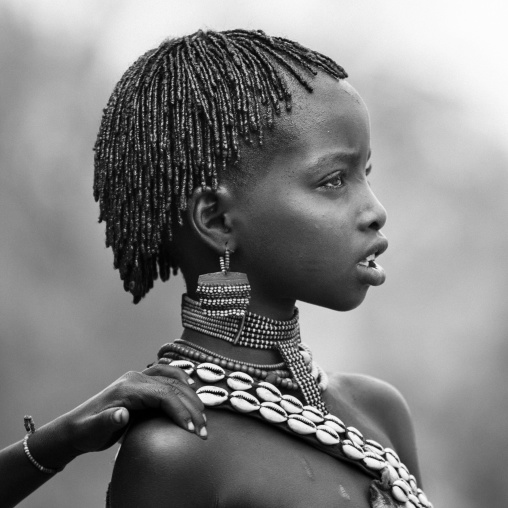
377 248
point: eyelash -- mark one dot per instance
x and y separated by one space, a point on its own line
337 176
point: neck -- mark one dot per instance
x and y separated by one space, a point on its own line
254 339
259 303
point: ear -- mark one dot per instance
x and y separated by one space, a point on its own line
208 215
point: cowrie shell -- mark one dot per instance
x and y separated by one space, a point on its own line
212 395
374 461
403 472
327 435
412 484
210 373
354 435
400 491
412 500
335 423
352 450
300 424
268 392
243 401
240 381
423 498
272 412
306 356
392 457
313 414
394 475
374 446
185 365
291 404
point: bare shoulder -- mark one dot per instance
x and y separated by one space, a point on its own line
383 404
160 465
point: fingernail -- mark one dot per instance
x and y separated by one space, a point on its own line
204 417
117 416
203 433
191 381
191 427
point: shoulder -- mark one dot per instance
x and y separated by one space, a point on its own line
383 404
159 465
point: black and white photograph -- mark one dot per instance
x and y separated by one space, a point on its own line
251 254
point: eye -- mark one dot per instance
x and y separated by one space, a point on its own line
335 181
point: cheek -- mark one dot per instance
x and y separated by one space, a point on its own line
299 239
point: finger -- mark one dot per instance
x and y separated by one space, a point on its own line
190 401
120 416
197 415
182 407
104 429
113 419
166 374
174 397
160 369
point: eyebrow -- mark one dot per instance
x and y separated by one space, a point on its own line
341 156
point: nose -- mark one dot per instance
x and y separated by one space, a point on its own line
373 215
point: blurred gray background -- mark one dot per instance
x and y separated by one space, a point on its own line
434 76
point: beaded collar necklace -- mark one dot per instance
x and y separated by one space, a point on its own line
393 486
258 332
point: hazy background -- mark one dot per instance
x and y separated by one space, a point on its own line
434 76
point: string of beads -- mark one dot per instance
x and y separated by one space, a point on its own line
263 366
259 332
327 432
277 376
30 429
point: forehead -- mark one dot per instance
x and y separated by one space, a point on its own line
331 120
333 113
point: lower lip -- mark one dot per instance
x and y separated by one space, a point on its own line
370 275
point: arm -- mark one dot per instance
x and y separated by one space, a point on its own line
386 405
96 425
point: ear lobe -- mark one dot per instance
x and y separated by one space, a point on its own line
206 213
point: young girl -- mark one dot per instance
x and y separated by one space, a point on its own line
253 150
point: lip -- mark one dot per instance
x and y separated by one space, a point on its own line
377 248
373 276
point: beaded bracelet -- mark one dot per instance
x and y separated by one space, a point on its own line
30 428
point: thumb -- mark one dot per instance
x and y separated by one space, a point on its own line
112 419
102 430
119 416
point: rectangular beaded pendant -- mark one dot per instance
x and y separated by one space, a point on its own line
224 294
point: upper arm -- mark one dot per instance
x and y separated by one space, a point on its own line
161 465
388 408
395 415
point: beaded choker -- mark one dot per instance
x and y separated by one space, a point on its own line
258 332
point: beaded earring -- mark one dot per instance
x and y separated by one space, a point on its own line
224 293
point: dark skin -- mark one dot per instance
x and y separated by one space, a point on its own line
97 424
299 230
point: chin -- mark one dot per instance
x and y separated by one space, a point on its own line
341 303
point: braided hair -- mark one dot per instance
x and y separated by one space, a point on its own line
173 122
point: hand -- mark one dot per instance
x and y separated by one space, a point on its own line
100 421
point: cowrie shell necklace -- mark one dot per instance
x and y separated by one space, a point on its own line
393 479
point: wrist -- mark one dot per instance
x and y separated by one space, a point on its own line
51 445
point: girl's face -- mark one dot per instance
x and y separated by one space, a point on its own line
309 220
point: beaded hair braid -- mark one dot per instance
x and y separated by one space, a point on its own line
173 122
